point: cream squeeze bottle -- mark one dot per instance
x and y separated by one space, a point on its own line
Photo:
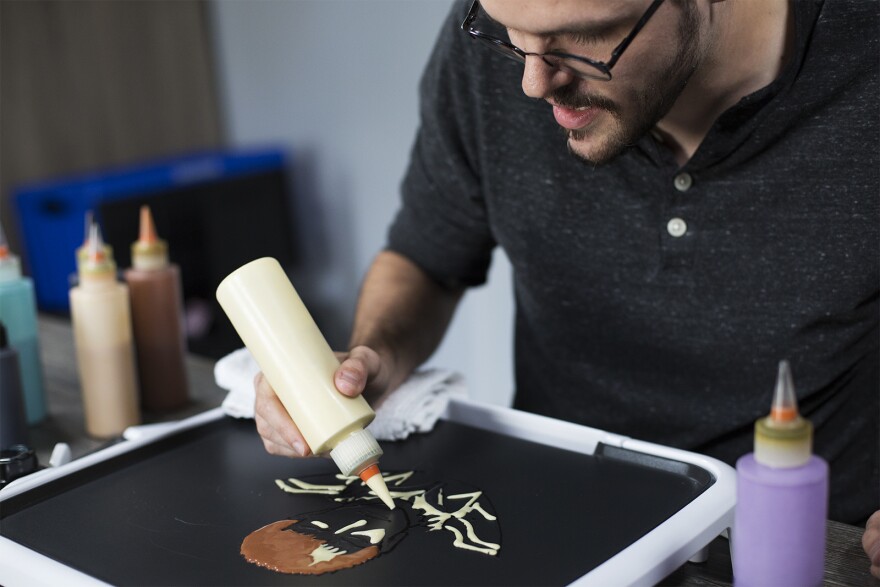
18 310
782 500
157 320
101 315
276 327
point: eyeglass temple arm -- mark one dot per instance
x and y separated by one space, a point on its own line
471 16
615 55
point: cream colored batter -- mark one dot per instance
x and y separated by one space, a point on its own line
437 519
298 486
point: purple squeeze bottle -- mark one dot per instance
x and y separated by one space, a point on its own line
781 501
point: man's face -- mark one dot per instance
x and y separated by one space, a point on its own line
602 118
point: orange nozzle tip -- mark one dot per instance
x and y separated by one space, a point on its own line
369 472
148 227
95 244
4 251
784 407
783 414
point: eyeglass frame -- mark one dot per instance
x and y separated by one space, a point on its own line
512 51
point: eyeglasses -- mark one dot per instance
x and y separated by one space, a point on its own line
574 64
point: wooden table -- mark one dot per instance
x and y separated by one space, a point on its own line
845 561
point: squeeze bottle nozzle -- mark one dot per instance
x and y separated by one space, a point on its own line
96 266
82 252
783 439
88 220
784 407
149 252
96 244
10 265
4 245
147 233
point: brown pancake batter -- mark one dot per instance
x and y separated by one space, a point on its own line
291 552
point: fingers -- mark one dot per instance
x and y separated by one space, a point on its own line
361 366
361 369
278 431
871 542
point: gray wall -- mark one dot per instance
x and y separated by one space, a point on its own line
335 81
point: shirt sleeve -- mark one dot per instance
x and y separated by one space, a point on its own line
442 224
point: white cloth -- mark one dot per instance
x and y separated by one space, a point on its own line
415 406
235 372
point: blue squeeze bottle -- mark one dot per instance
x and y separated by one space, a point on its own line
18 311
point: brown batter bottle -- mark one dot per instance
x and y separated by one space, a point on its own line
157 318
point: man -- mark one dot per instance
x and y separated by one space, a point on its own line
687 192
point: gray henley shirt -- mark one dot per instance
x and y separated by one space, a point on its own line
654 300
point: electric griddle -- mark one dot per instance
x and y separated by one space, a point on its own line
575 505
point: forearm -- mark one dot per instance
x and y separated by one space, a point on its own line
402 314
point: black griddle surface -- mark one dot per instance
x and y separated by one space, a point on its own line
175 512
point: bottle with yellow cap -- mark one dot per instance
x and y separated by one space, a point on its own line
157 319
99 309
782 499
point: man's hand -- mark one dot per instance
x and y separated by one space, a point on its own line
401 316
871 542
361 371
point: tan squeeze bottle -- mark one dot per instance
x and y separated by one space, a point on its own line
99 308
298 363
157 318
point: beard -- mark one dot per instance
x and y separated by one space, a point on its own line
650 101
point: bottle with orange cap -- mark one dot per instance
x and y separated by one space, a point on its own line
157 318
782 499
101 315
18 310
275 325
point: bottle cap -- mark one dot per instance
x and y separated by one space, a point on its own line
149 252
10 265
355 452
98 263
82 252
783 439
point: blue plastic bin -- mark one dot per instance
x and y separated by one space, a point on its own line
51 214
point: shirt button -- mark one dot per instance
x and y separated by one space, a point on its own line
676 227
683 182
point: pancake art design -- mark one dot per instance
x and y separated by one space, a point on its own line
359 527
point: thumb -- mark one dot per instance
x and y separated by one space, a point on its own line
354 373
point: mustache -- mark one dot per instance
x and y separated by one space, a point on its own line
569 97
